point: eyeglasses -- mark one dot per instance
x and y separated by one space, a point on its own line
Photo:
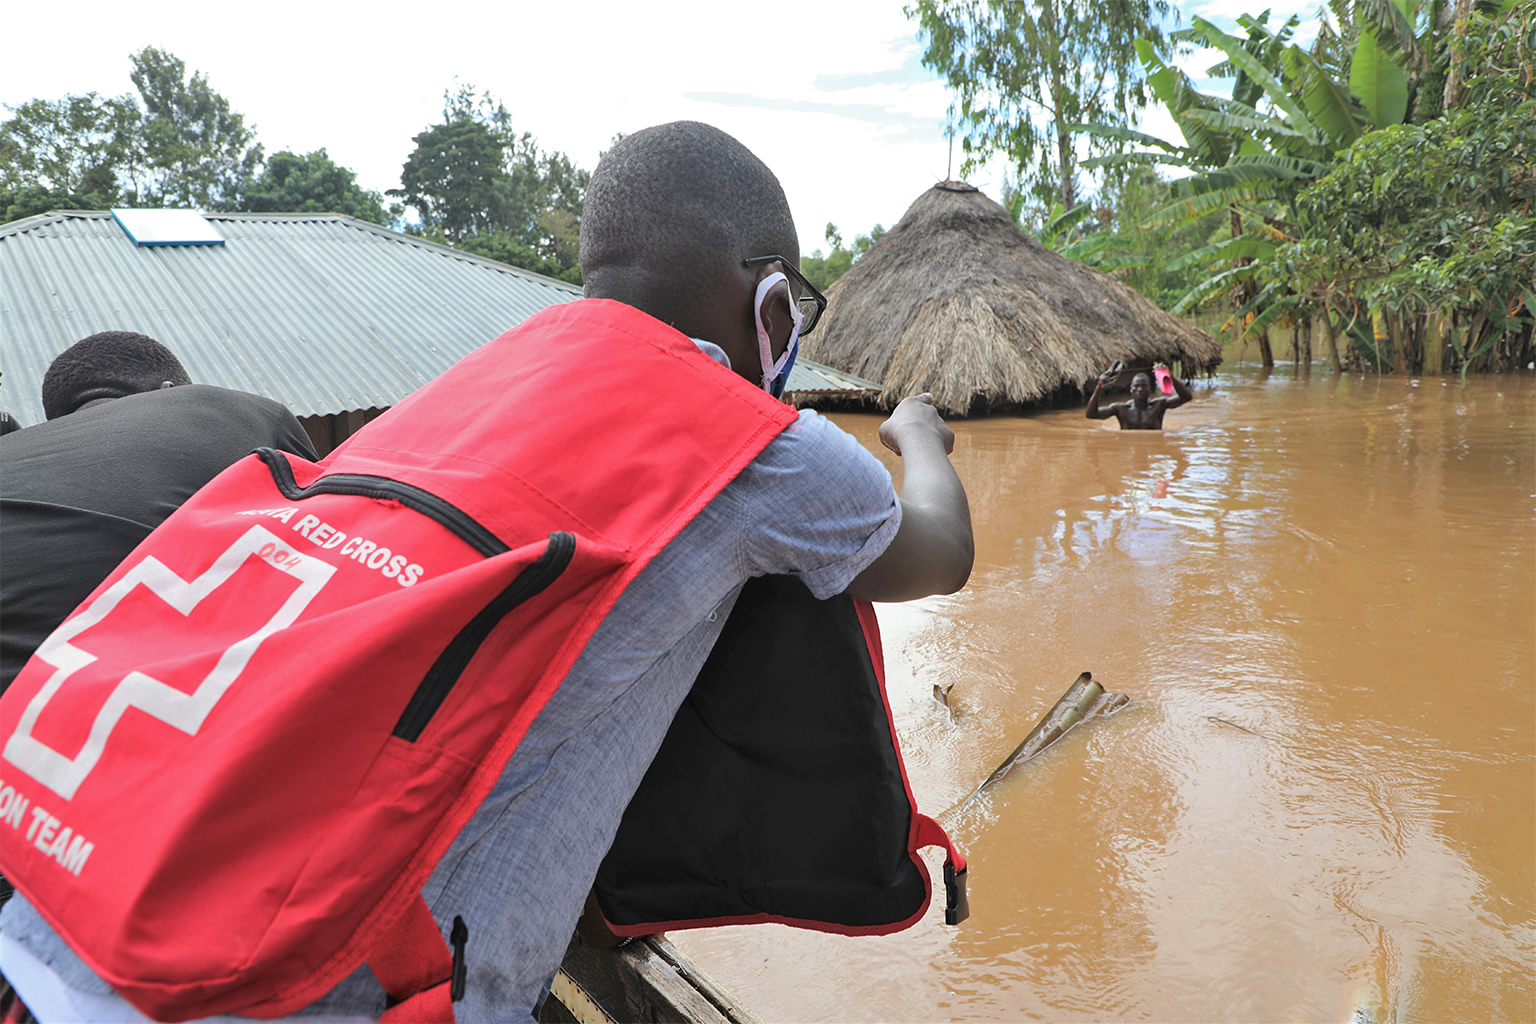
811 302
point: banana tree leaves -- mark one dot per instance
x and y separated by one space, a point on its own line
1251 65
1252 121
1379 81
1278 306
1063 221
1330 103
1392 20
1282 166
1108 264
1260 300
1213 284
1135 159
1097 251
1113 131
1235 175
1195 206
1178 94
1242 247
1084 249
1159 75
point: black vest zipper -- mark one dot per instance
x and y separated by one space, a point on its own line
445 671
425 502
439 680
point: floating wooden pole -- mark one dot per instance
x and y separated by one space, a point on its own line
1085 698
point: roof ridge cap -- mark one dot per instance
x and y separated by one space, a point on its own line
470 257
276 215
22 225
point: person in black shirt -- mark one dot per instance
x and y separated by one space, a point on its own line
128 439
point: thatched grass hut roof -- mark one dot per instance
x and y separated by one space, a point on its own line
956 300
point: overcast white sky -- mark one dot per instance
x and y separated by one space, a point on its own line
832 95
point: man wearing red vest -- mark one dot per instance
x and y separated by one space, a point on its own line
686 235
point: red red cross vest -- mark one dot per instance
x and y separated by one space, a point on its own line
228 774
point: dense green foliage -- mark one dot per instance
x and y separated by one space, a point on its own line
822 270
31 200
1428 231
1129 206
194 149
1376 182
1246 161
311 183
1318 176
177 144
1115 234
477 184
1026 70
69 150
482 187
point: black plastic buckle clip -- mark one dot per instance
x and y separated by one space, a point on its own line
458 937
957 907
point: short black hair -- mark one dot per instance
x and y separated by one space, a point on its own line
671 209
111 364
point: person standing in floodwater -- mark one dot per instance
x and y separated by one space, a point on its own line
1141 412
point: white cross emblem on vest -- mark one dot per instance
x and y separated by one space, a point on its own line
185 711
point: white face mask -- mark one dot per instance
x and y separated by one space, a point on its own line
776 373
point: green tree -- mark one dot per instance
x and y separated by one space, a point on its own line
1114 233
310 183
1292 115
73 146
1027 70
1083 233
479 185
1130 204
178 144
31 200
454 178
502 247
1288 118
822 270
1429 230
544 197
197 151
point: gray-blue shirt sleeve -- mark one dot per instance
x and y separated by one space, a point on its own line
817 505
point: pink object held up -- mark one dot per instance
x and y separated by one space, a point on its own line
1164 380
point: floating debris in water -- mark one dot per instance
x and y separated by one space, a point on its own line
1084 699
1241 728
1223 721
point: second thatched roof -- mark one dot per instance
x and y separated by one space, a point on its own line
956 300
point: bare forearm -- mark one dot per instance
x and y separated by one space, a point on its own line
934 550
931 490
1094 413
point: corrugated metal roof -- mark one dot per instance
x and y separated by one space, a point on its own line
813 379
322 312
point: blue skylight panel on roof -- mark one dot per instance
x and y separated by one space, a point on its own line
167 227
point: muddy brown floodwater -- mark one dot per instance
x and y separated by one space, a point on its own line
1321 597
